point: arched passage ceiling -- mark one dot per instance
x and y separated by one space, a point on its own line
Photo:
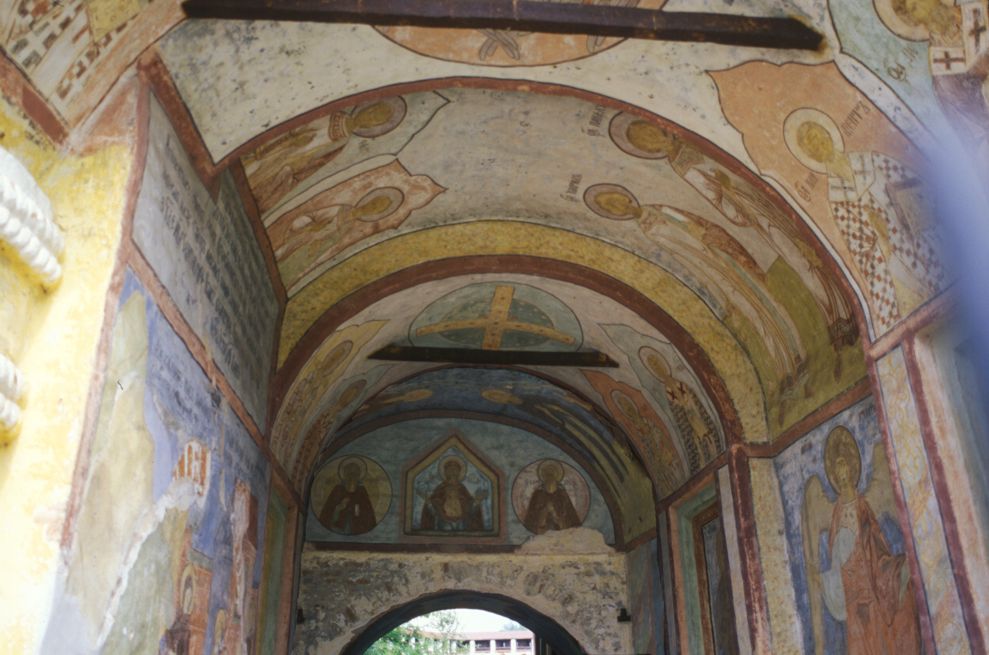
670 180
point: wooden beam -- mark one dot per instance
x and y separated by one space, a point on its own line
529 16
590 359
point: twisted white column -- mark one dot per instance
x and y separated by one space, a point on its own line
11 391
26 220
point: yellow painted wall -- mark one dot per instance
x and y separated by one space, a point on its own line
53 338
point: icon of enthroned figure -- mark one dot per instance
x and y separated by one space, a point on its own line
451 492
451 507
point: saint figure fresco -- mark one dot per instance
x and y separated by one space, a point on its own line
852 572
550 495
348 508
957 34
873 201
451 492
277 167
771 237
177 638
715 261
351 494
697 429
451 507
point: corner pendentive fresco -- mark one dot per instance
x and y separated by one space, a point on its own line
851 169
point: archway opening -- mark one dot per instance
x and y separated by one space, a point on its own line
546 630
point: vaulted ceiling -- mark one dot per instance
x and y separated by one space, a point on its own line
666 204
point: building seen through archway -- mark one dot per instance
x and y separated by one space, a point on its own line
310 328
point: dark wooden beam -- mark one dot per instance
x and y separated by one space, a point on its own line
529 16
590 359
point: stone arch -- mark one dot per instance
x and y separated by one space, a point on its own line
570 576
545 627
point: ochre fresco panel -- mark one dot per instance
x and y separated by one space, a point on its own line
850 169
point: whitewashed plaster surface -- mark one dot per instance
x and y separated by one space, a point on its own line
206 256
341 593
215 65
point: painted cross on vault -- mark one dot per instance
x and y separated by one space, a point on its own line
493 316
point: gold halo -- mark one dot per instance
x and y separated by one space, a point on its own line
807 115
347 460
897 25
454 458
546 464
618 131
645 351
591 191
398 110
841 442
394 195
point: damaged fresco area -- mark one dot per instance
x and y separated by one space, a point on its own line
167 547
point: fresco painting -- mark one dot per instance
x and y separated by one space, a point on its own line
683 403
767 244
688 517
488 47
452 492
185 479
276 537
666 465
345 399
493 316
550 495
351 494
851 169
526 400
190 239
708 254
646 597
766 280
282 170
934 54
398 446
854 590
914 471
717 611
74 50
333 220
308 392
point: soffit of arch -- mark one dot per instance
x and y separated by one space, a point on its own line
339 384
